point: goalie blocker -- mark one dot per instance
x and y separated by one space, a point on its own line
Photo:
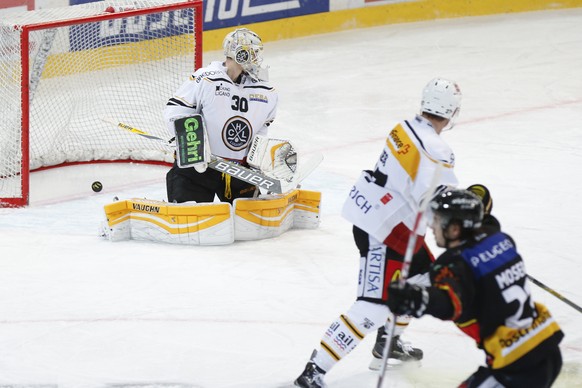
211 223
192 145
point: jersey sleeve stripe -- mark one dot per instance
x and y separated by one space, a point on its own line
218 79
258 87
174 101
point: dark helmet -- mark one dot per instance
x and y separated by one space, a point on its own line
458 205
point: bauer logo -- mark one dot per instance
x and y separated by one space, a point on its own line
131 29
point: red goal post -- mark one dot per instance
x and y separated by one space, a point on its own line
67 73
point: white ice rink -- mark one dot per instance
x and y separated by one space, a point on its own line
77 311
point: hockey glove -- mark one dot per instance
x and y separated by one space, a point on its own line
408 300
274 157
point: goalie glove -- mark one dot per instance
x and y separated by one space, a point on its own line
407 300
274 157
192 145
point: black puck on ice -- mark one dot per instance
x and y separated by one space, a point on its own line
97 186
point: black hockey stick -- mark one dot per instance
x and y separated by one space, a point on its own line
555 293
222 165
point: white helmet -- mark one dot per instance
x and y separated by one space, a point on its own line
245 48
442 98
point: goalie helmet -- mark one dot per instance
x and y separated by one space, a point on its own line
458 205
442 98
245 48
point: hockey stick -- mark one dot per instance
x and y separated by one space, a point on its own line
406 267
555 293
235 170
137 131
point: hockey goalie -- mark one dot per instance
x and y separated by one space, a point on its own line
275 208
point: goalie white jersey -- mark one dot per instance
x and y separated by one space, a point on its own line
234 113
384 202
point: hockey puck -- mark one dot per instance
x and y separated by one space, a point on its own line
97 186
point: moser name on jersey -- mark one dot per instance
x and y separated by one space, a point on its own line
511 275
491 254
146 208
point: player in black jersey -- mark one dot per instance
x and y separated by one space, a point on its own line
480 284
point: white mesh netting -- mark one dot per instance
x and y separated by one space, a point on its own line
84 74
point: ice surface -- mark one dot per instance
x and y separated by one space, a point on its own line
78 311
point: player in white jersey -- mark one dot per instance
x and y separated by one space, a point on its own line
237 103
382 205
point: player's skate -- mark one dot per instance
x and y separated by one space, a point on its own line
400 351
312 376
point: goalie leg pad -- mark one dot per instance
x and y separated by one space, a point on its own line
186 223
211 223
272 215
307 210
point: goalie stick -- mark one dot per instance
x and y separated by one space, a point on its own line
254 177
406 267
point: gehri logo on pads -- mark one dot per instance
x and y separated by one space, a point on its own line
189 140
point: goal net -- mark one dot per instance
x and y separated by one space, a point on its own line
69 75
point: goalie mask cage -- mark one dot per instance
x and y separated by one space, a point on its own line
66 73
